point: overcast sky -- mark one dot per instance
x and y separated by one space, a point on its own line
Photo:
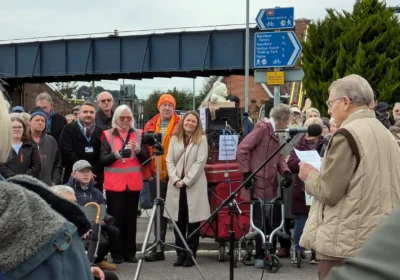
25 18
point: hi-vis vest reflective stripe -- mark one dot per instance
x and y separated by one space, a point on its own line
124 173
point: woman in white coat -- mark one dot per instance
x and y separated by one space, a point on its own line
187 199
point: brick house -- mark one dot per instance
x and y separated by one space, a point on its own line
236 83
60 104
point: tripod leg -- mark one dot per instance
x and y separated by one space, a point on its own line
146 239
184 242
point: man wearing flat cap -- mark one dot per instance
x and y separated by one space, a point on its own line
165 123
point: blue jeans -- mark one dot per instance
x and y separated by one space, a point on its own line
300 222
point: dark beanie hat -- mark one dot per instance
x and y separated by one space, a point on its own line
327 124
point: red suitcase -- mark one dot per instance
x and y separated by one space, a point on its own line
219 227
221 172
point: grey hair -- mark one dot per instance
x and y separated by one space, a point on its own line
5 124
332 120
44 96
281 113
60 189
356 88
397 103
315 110
118 113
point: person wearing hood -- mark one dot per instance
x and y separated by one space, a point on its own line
81 181
51 170
39 231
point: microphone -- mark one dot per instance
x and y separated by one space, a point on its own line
313 130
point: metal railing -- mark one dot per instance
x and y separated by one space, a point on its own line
125 33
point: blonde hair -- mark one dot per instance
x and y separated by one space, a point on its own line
311 121
197 134
5 124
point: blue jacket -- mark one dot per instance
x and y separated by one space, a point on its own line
63 257
91 194
247 126
45 242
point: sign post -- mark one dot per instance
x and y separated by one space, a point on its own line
277 49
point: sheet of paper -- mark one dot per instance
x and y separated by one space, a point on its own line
309 198
228 145
203 117
311 157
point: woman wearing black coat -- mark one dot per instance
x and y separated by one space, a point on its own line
24 157
299 208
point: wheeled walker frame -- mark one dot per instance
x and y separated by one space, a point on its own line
271 262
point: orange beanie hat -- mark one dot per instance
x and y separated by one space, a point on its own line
166 98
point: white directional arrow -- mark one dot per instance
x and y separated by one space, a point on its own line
296 48
259 19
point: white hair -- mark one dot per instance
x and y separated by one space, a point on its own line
5 124
61 189
44 96
118 113
356 88
332 120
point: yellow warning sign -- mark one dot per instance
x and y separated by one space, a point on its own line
275 78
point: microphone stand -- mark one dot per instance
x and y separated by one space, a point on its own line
233 204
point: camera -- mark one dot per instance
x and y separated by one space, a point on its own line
151 138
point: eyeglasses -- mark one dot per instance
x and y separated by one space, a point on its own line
329 103
75 114
106 100
17 127
122 118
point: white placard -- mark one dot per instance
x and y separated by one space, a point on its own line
309 198
228 147
203 117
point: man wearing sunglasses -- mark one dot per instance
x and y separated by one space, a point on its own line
105 102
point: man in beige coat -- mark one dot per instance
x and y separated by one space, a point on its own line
359 181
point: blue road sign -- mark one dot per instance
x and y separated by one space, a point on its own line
276 49
276 18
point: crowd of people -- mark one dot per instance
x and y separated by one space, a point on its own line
357 186
54 165
100 157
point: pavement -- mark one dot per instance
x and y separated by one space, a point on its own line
213 269
143 221
208 261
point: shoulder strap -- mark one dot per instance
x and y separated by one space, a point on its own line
352 142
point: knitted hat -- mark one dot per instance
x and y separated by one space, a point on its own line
38 113
166 98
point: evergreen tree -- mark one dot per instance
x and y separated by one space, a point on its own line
365 42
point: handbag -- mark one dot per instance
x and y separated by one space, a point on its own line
145 196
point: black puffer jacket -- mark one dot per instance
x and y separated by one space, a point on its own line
27 162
